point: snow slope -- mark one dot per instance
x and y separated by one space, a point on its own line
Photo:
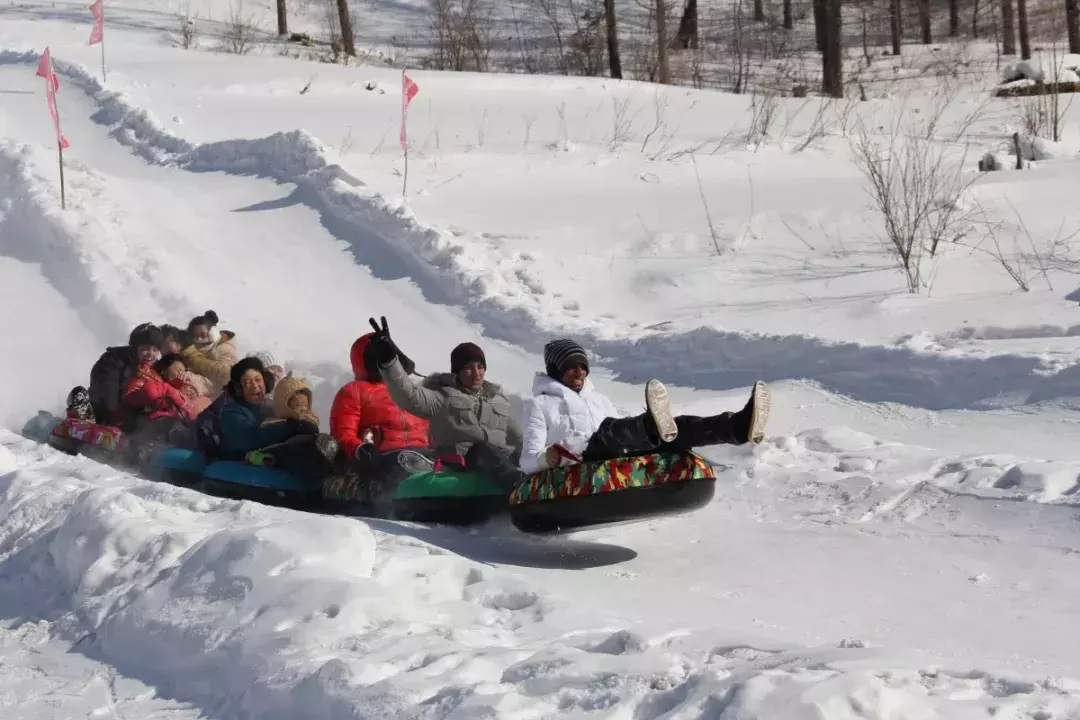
904 543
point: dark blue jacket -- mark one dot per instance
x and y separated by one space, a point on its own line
240 431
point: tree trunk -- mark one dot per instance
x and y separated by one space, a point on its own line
282 21
789 19
819 24
975 19
1008 32
924 21
954 18
614 60
895 28
1022 21
348 42
688 27
1072 21
759 11
832 67
662 75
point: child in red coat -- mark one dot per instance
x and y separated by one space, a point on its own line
158 397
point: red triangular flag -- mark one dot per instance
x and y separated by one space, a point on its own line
98 33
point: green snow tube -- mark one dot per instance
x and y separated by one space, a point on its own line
453 497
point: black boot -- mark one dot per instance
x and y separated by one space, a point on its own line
738 428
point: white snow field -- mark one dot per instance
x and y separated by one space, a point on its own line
903 545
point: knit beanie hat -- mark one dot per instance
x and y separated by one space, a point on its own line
464 354
560 355
145 334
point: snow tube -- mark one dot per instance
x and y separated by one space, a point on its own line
74 436
179 466
267 485
610 491
453 497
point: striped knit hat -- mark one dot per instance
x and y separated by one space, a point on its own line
560 354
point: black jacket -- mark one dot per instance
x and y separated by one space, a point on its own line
107 379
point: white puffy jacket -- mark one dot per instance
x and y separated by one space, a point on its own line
557 414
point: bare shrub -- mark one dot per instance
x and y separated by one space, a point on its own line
764 108
187 35
660 103
588 45
241 32
1022 262
462 35
621 123
916 185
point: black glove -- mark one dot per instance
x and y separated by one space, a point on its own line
366 453
386 349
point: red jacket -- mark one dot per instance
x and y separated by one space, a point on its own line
148 391
366 405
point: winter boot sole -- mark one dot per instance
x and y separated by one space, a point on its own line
327 446
762 400
415 462
659 407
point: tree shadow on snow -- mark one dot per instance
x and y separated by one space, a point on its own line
497 542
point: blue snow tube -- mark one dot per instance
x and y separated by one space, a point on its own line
267 485
179 466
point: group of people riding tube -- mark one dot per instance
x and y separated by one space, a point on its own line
189 388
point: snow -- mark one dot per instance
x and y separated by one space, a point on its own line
903 544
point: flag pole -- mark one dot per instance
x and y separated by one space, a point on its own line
103 80
405 179
60 150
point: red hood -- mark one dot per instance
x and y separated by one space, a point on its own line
356 356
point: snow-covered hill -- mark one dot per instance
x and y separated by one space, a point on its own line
904 544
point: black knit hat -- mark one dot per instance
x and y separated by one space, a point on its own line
464 354
241 367
560 355
145 334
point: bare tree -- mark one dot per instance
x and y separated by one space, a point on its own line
832 60
282 21
462 36
954 18
924 21
759 11
688 36
1008 32
348 42
789 20
1072 21
1022 22
895 27
663 74
819 24
614 60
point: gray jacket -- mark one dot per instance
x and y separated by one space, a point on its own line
458 418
